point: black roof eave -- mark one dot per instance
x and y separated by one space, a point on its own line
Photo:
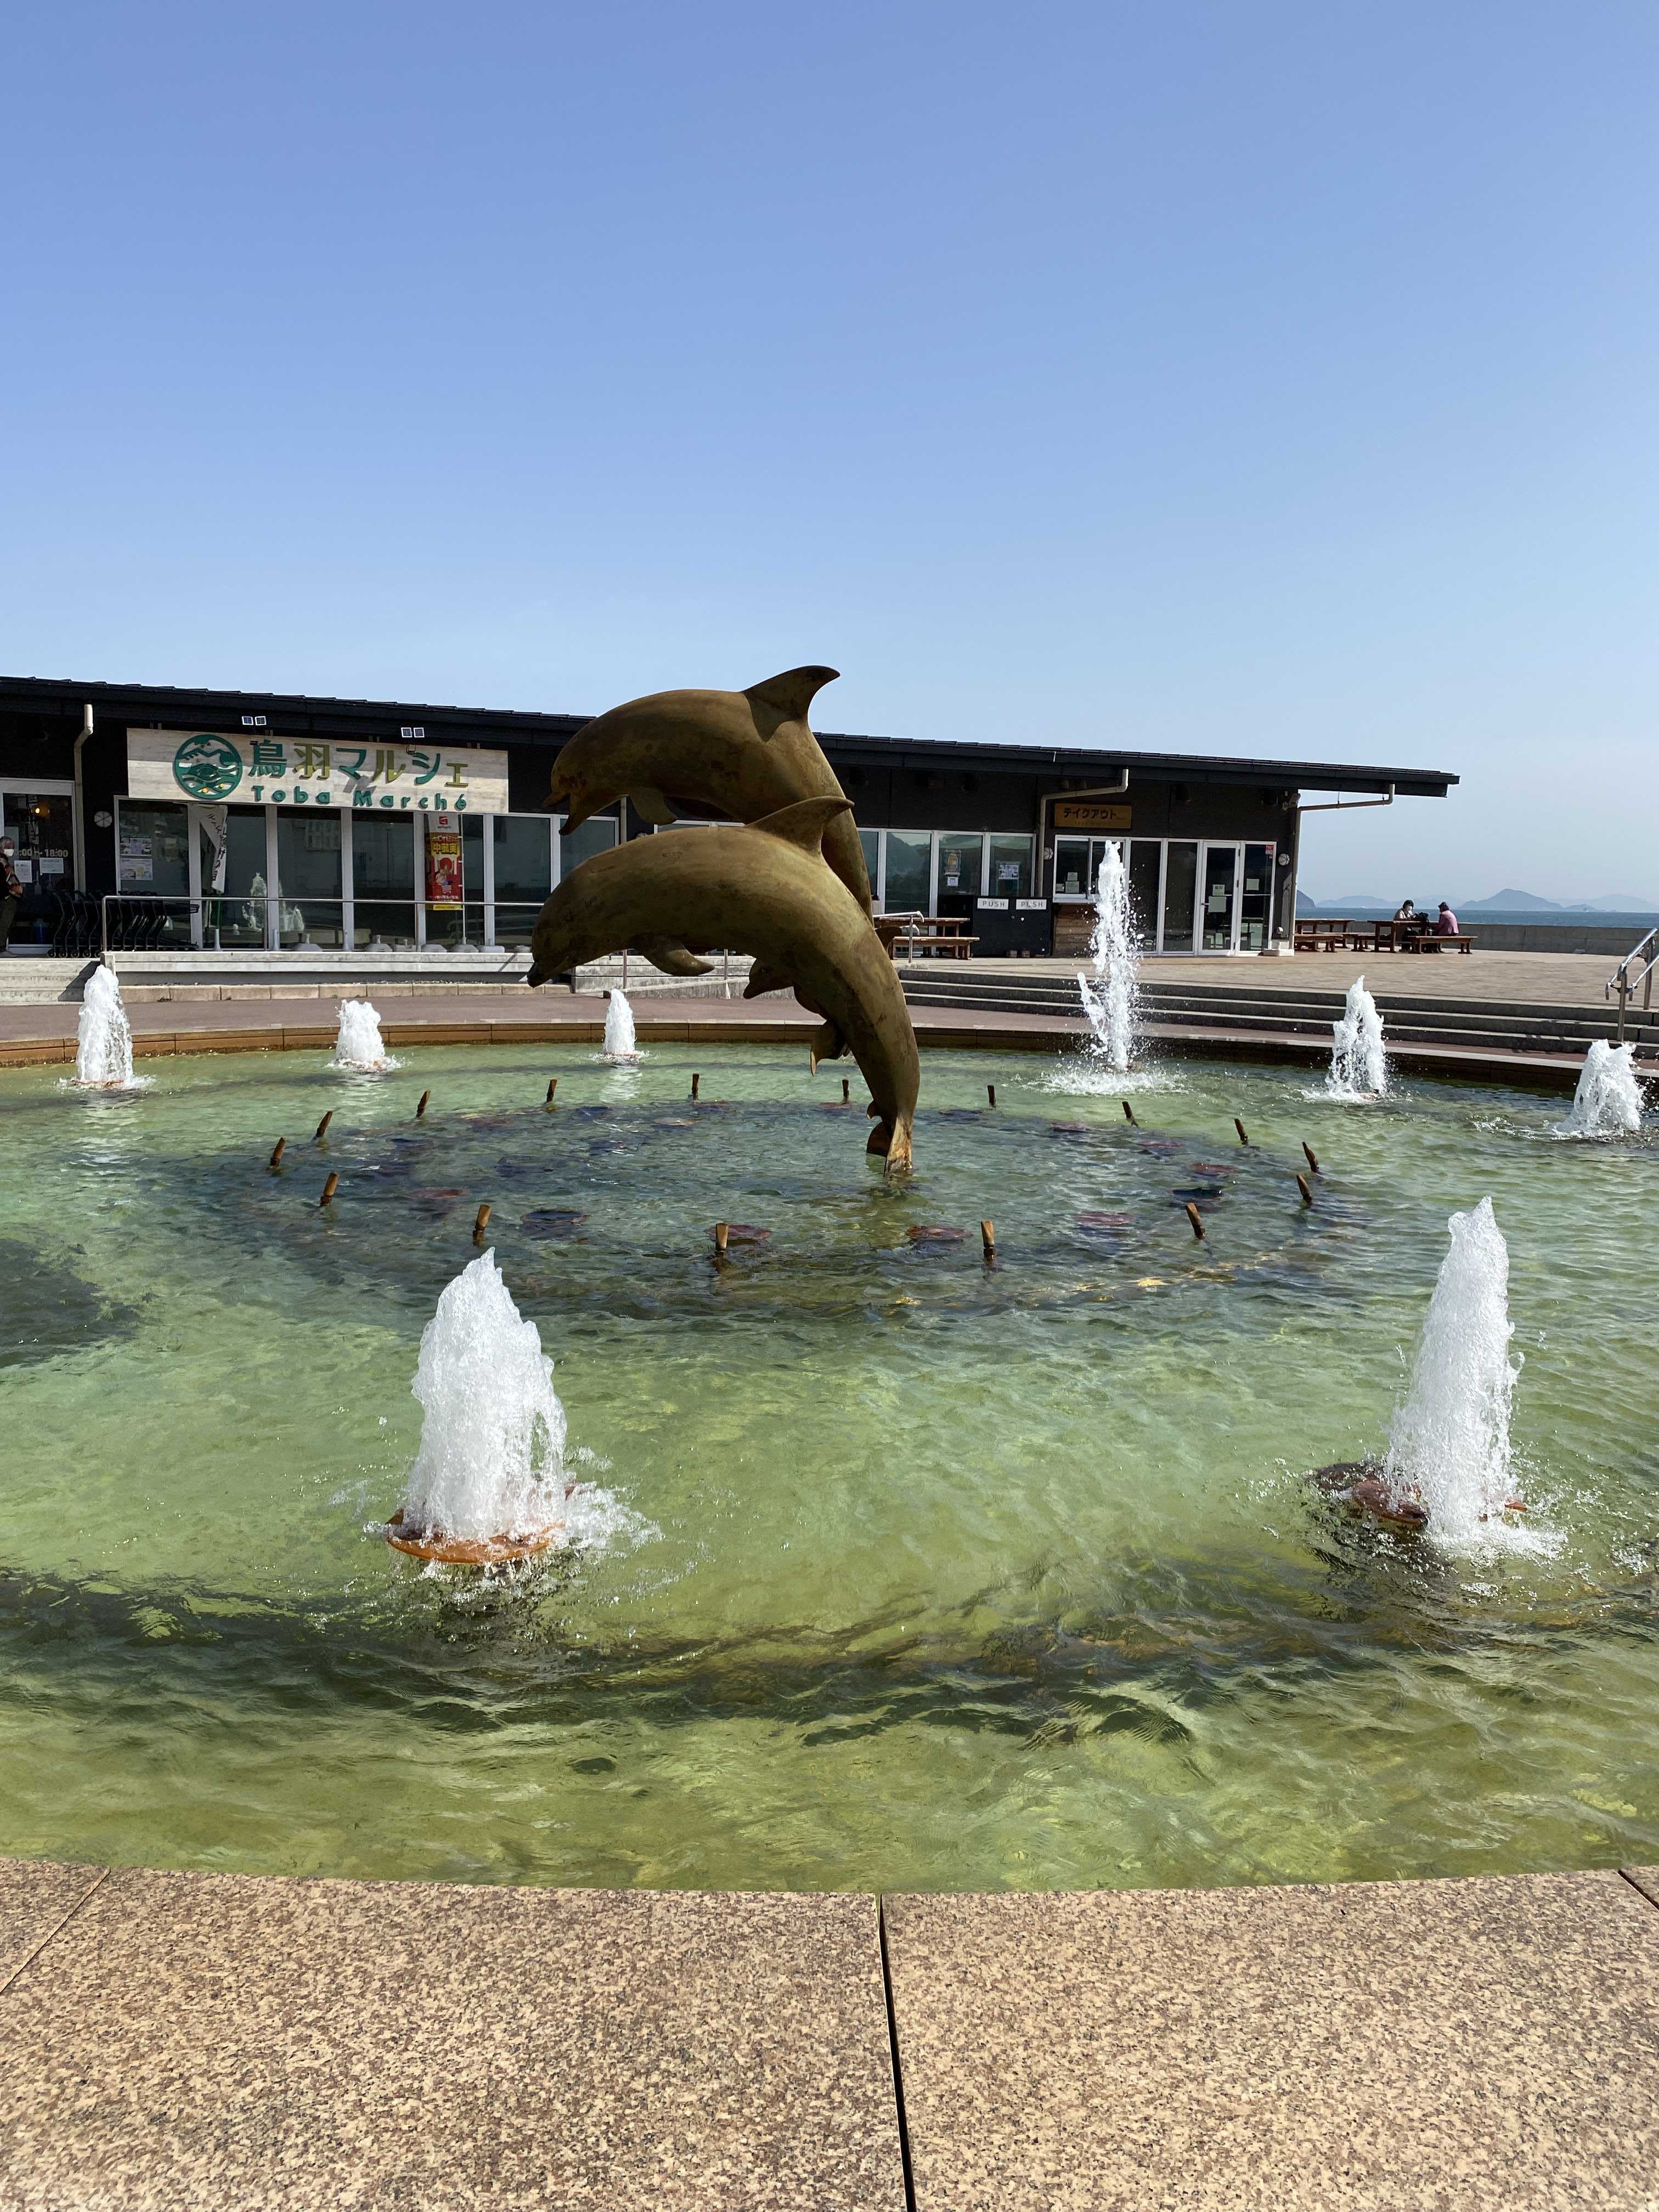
156 701
1076 763
1058 763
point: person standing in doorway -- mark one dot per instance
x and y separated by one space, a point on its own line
11 889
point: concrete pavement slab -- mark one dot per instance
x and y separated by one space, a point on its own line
1433 2046
202 2041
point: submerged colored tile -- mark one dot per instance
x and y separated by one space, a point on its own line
1374 2047
200 2040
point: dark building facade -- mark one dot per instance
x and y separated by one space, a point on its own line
155 815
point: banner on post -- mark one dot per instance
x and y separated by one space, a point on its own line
443 859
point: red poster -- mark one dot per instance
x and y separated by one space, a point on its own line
443 859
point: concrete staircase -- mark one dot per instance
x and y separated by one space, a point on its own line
154 978
1249 1008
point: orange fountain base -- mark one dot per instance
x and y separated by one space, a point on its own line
468 1551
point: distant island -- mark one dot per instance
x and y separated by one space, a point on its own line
1504 901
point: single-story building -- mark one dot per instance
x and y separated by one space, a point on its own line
150 815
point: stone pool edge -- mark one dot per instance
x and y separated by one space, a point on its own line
722 1025
181 2038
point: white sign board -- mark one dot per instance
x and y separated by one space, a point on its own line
264 768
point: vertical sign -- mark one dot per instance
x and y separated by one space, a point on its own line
443 859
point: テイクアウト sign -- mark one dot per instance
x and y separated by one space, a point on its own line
1090 814
262 768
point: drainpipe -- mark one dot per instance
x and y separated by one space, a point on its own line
1094 791
1343 805
78 825
1325 806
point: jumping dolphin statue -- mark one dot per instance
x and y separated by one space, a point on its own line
766 890
740 753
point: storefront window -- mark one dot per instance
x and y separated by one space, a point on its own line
524 873
909 864
1009 868
1071 867
382 882
1146 867
576 846
870 840
152 874
961 868
152 850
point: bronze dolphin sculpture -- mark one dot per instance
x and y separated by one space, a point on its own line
742 755
766 890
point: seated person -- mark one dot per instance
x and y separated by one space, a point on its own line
1445 921
1407 912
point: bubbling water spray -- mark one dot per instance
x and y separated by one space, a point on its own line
103 1052
1449 1445
491 1460
1359 1067
1609 1098
358 1045
1111 1000
619 1029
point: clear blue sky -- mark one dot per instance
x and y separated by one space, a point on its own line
1245 378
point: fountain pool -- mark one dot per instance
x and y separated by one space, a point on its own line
919 1575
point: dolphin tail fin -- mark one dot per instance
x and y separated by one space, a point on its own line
892 1139
826 1042
790 695
805 823
668 955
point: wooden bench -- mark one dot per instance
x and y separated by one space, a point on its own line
1429 942
944 948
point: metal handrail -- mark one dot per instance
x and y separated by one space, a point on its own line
260 903
265 900
1624 983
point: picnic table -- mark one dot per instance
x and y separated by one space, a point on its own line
1341 934
1395 936
939 936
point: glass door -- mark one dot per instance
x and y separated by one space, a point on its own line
40 823
1180 895
1255 899
1219 915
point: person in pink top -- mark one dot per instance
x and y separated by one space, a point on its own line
1445 921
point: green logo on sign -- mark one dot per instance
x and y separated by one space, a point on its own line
207 766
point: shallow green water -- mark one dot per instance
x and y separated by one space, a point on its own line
942 1577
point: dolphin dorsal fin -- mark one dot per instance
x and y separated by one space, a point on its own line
805 823
789 696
